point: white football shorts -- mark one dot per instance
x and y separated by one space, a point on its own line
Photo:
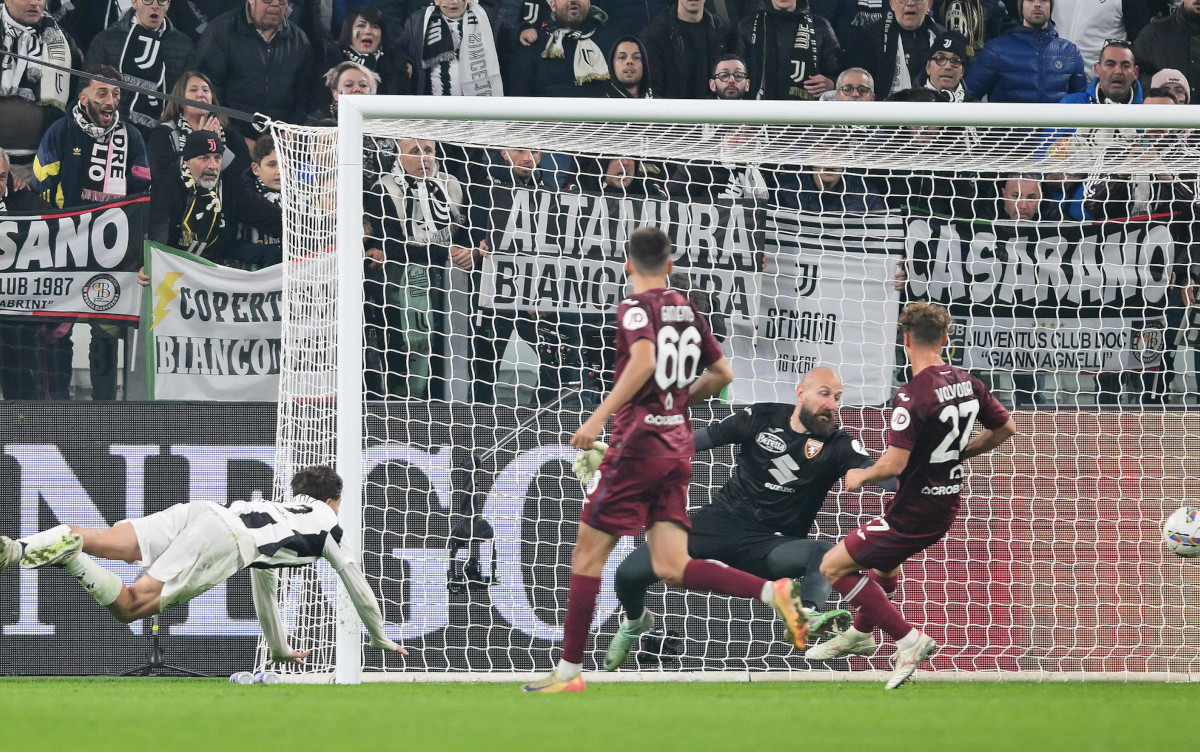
190 548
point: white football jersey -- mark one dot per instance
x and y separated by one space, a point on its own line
286 535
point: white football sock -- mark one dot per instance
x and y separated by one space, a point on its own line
45 538
568 670
768 593
104 586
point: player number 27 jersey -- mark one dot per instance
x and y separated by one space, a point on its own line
655 422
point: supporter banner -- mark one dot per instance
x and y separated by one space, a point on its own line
1047 296
79 264
827 297
213 331
565 252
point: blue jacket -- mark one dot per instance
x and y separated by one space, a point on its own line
66 153
1088 96
1027 65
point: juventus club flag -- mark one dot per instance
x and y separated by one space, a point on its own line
213 332
75 265
827 297
1054 296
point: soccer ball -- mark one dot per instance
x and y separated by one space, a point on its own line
1181 532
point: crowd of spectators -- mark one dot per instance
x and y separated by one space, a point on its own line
215 186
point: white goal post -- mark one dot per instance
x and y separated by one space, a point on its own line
1055 570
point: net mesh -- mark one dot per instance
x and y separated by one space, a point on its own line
493 264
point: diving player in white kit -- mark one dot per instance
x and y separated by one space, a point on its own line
189 548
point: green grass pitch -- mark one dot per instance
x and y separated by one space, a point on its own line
212 715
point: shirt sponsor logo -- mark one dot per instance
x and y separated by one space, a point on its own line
635 319
812 447
654 420
937 491
770 442
900 419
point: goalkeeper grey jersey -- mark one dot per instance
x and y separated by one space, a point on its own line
286 535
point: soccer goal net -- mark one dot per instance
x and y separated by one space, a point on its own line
452 270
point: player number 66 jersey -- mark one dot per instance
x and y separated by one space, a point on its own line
655 422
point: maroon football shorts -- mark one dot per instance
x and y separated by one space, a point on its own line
630 494
876 544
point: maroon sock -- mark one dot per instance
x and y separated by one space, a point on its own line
864 594
581 607
710 575
889 583
862 623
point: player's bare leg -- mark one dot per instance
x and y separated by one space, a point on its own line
912 646
69 547
668 549
592 549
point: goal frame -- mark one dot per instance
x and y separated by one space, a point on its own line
353 111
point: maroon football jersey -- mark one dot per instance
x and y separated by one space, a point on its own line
932 417
654 424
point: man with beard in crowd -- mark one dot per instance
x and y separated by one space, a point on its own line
760 520
729 79
200 210
92 156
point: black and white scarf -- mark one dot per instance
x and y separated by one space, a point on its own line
21 78
957 94
269 194
459 55
370 62
893 50
143 64
182 129
423 207
203 219
802 64
109 152
589 63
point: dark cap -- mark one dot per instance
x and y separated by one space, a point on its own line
949 41
202 142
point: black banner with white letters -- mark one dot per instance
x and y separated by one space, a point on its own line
80 264
1066 296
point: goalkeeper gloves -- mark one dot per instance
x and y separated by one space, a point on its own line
587 461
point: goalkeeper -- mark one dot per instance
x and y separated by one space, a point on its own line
791 456
189 548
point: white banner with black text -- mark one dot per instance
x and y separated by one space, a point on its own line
213 332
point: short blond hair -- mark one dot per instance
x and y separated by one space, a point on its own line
333 74
926 323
